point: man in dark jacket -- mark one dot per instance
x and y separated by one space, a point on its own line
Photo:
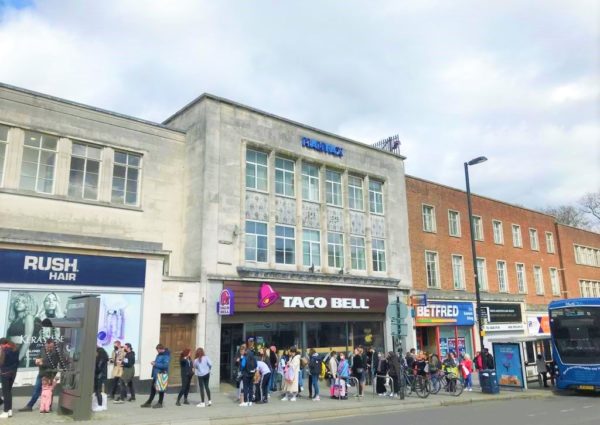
128 374
394 371
160 365
248 368
48 365
488 359
9 362
100 375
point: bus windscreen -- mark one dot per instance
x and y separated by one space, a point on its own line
576 332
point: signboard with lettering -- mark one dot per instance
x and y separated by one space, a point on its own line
445 313
59 268
322 146
226 303
278 298
503 313
538 325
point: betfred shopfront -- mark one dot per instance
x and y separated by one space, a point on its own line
307 316
443 326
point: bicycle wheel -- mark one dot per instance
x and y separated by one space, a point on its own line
458 388
421 387
435 384
408 387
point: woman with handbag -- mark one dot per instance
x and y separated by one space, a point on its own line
160 376
185 363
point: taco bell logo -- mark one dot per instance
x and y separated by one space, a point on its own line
59 268
225 304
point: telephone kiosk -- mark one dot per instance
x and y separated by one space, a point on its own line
77 347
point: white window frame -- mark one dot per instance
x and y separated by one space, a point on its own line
478 228
589 288
498 230
255 165
517 236
554 281
428 215
482 274
128 168
86 160
284 177
378 254
357 246
255 237
521 274
429 276
550 243
538 278
503 285
376 205
587 256
333 189
311 246
533 239
335 250
454 223
4 144
40 149
287 242
356 199
310 182
458 272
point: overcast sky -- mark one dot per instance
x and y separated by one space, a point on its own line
516 81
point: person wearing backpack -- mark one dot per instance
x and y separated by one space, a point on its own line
314 370
248 369
290 376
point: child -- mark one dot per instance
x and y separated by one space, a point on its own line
48 385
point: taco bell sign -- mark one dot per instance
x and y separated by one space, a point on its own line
225 305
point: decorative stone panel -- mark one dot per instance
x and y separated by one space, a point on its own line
311 215
377 226
257 206
335 220
357 223
285 211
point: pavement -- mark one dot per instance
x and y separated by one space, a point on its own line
225 409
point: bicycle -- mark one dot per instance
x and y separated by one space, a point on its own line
417 383
449 381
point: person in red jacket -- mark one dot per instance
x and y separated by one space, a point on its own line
466 368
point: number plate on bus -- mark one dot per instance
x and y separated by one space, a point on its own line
586 387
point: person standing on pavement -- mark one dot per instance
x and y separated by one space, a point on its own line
128 374
394 371
185 364
9 363
248 369
358 370
273 363
332 369
160 365
116 359
488 359
291 376
202 368
264 374
314 370
100 375
466 367
48 364
540 363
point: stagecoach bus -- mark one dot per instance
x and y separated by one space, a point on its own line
575 330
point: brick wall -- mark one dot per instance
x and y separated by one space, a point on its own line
572 272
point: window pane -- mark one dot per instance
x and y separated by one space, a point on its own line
77 164
120 158
78 149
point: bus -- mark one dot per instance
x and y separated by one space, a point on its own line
575 331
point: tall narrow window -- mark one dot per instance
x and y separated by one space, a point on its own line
428 218
554 283
378 252
453 223
311 248
539 280
376 197
516 234
126 177
482 274
3 144
335 250
256 241
285 245
502 279
549 243
85 171
432 269
284 177
355 193
310 182
458 272
333 186
533 239
498 232
39 162
357 253
256 170
521 279
478 228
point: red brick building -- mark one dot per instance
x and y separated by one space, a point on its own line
580 261
519 262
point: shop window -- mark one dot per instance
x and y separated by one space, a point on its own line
326 336
281 334
39 162
310 182
366 334
126 178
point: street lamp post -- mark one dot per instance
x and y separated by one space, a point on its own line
475 161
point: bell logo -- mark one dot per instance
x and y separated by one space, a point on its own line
267 296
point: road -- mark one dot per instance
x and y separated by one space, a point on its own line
559 410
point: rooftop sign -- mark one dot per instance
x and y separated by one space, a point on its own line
322 147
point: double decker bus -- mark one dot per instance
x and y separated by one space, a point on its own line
575 330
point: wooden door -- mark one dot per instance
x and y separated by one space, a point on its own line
177 333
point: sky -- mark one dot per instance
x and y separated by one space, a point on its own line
515 81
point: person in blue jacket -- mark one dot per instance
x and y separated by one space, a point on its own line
159 365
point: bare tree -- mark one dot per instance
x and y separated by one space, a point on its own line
590 204
569 215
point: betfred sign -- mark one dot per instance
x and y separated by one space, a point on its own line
445 313
278 298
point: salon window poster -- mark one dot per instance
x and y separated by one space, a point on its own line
119 319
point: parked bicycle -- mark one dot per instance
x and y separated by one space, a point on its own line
448 381
417 383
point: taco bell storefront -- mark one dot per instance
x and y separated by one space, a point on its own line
308 316
35 285
442 326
